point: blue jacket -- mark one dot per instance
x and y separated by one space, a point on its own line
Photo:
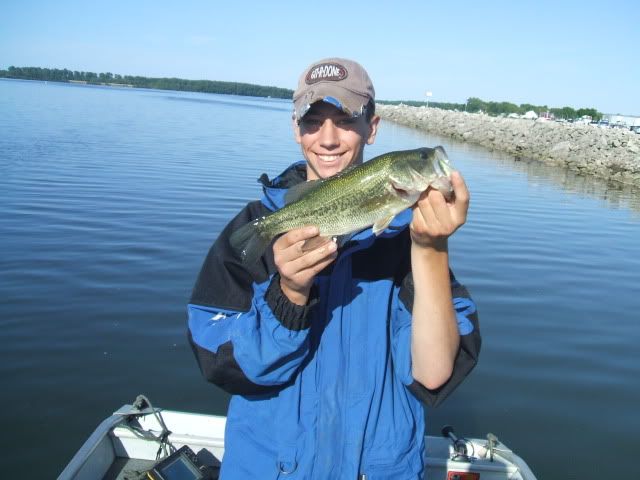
325 390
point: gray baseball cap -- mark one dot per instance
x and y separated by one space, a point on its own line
338 81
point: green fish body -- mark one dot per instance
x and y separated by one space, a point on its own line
370 194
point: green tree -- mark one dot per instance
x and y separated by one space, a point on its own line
592 112
476 105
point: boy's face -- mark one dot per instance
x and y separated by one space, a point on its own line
331 140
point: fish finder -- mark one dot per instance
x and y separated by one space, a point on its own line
180 465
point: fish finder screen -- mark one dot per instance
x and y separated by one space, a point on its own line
180 469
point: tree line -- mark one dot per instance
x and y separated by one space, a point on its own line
108 78
472 104
475 105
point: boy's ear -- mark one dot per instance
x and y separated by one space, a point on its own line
373 129
296 129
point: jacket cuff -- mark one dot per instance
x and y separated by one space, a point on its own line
290 315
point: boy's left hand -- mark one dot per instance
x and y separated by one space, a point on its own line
435 219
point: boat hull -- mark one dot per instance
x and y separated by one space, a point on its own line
117 446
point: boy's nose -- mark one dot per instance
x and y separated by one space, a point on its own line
329 133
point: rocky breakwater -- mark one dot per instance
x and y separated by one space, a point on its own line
610 153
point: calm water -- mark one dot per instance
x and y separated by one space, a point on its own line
110 199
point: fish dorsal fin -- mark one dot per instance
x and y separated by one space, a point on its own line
298 191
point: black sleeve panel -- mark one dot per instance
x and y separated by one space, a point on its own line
222 369
224 281
465 361
468 352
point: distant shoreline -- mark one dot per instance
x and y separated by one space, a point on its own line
612 154
131 81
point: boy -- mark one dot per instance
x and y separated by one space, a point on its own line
329 353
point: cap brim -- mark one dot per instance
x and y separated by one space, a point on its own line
351 103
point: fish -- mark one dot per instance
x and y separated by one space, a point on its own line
370 194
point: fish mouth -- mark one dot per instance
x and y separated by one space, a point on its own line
442 166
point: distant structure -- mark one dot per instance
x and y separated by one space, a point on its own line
626 120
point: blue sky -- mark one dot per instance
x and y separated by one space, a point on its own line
556 53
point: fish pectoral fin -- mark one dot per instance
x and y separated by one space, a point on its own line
381 224
314 242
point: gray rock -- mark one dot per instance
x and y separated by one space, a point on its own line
606 153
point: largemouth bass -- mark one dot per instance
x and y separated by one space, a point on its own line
370 194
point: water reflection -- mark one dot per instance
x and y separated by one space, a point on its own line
615 194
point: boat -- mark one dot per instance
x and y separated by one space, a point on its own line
139 441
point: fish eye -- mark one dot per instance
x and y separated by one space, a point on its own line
424 154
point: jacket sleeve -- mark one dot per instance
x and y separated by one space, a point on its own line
247 337
468 352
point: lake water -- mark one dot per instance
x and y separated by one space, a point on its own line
111 197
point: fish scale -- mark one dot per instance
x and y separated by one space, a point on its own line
337 199
369 194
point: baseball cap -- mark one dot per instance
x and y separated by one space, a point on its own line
338 81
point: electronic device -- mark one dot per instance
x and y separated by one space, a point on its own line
182 464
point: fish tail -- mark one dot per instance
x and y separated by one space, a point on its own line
248 242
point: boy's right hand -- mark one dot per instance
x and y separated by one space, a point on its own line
298 267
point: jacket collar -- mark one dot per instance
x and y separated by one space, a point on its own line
275 190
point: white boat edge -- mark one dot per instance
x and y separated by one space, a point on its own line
204 433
